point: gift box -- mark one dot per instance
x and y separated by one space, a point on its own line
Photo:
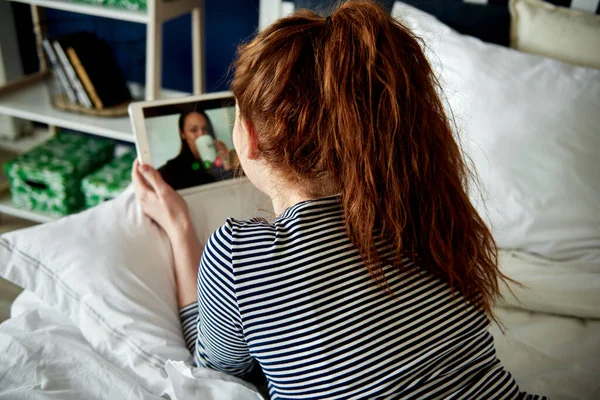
48 178
137 5
107 182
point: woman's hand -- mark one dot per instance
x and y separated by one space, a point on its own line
223 153
168 209
159 201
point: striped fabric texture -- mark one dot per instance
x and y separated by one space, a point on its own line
295 298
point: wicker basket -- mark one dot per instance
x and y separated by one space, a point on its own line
129 51
61 102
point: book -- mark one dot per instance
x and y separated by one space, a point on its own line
97 69
58 70
85 79
80 92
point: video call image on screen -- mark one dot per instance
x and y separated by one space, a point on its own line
189 145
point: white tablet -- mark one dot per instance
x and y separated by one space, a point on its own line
188 140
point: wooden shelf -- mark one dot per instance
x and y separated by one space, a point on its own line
29 98
168 9
21 145
32 102
6 207
90 9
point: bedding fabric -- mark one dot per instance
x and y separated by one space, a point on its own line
561 288
110 270
43 355
551 354
529 126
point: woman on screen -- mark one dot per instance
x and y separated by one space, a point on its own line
202 159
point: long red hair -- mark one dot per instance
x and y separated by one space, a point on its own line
349 104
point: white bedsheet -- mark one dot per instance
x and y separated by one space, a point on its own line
552 341
556 356
43 355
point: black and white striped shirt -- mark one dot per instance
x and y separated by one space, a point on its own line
295 297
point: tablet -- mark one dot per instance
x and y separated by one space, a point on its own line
188 140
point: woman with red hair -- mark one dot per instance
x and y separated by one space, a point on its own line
378 277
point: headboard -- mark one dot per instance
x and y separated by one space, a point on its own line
488 20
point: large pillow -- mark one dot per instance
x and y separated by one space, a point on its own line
541 28
529 125
110 270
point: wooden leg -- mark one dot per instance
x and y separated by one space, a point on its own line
37 17
198 64
153 52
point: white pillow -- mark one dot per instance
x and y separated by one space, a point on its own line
542 28
110 270
530 126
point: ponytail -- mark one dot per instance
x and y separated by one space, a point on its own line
350 104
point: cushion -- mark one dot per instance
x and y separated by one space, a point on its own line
568 35
529 127
110 270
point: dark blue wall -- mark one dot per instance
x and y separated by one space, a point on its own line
227 22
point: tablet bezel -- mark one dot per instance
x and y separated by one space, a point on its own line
136 116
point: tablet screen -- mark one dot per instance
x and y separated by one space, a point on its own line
190 143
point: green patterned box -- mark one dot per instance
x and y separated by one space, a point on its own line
107 182
48 178
137 5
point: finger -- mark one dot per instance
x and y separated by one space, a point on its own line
156 181
220 145
138 180
134 168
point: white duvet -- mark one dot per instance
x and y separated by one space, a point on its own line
552 340
44 356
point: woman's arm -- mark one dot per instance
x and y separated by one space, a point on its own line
187 251
212 326
168 209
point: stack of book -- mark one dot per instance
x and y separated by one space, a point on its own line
87 71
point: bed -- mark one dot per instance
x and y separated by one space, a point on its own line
98 318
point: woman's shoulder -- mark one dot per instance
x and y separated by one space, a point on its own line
233 226
235 232
236 226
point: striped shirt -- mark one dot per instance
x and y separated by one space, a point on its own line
295 297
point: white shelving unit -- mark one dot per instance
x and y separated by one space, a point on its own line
27 143
158 12
33 103
90 9
29 98
6 207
